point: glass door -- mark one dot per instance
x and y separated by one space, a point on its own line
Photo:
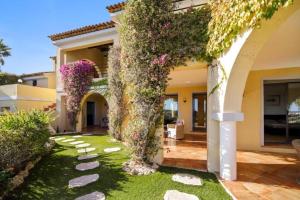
293 111
170 109
199 112
281 111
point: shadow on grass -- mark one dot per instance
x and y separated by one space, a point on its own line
49 179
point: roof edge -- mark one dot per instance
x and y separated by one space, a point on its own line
82 30
116 7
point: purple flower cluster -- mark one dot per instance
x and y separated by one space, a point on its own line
77 78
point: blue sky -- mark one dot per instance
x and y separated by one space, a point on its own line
25 25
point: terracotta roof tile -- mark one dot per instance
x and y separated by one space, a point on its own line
82 30
116 7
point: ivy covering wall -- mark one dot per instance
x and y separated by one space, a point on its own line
115 96
231 18
154 39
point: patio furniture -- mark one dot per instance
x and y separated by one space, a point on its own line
176 131
296 145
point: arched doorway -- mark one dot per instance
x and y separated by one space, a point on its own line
94 113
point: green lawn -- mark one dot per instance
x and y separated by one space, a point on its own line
49 179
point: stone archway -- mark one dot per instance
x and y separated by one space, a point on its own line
98 117
225 105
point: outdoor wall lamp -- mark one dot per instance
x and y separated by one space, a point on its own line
184 100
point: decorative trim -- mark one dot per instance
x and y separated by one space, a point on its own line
228 116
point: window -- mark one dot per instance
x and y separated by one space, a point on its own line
170 109
281 111
5 108
34 83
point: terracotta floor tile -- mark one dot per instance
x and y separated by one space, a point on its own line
261 175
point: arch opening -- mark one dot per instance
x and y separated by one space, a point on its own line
94 113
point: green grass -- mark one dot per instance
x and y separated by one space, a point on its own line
49 179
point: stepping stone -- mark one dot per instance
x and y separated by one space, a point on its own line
77 136
176 195
58 139
68 140
113 140
83 180
92 196
110 150
87 134
52 138
89 156
86 150
187 179
83 145
87 166
77 142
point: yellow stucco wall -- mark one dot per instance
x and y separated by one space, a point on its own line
36 92
51 80
249 131
186 109
24 97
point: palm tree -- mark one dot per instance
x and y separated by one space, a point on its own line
4 51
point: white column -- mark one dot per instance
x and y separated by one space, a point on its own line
228 150
228 163
213 137
213 142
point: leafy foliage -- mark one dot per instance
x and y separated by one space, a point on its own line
230 18
154 39
22 136
77 78
6 78
116 88
4 51
101 86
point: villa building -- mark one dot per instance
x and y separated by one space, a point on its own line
34 91
257 108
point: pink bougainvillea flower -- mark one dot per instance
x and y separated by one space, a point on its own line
77 78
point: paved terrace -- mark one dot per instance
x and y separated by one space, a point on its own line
260 175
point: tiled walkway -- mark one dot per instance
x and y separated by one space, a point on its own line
260 175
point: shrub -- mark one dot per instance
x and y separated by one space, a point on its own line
22 136
6 78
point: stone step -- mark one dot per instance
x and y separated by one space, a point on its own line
68 140
77 142
92 196
110 150
89 156
187 179
83 180
176 195
87 166
83 145
86 150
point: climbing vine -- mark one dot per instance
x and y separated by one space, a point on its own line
77 78
230 18
115 95
154 39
